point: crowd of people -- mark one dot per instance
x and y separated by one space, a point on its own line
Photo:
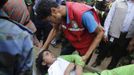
103 27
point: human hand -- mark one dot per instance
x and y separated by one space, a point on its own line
105 39
84 58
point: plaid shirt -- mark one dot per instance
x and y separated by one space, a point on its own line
15 49
17 10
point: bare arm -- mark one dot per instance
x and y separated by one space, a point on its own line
79 70
50 37
71 67
99 34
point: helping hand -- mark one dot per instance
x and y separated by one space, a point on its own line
84 58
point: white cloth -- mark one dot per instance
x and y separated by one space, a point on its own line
127 21
129 17
59 67
109 19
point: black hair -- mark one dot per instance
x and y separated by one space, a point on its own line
101 5
41 68
43 9
2 2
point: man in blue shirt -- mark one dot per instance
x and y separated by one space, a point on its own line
15 47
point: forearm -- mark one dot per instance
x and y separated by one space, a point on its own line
69 69
79 70
67 73
50 37
95 42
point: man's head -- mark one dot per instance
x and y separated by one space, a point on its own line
49 10
101 5
2 2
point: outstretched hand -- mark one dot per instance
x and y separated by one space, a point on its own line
84 58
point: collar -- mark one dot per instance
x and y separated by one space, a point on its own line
3 14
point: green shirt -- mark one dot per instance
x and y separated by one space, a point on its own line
74 59
125 70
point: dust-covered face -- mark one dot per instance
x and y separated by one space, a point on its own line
47 57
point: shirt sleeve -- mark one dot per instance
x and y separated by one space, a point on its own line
109 18
74 59
89 21
27 54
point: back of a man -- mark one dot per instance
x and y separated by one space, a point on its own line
15 47
17 10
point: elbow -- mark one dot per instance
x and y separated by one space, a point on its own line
99 32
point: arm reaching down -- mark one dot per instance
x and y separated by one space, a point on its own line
50 37
99 34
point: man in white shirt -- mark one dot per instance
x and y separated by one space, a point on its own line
119 30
